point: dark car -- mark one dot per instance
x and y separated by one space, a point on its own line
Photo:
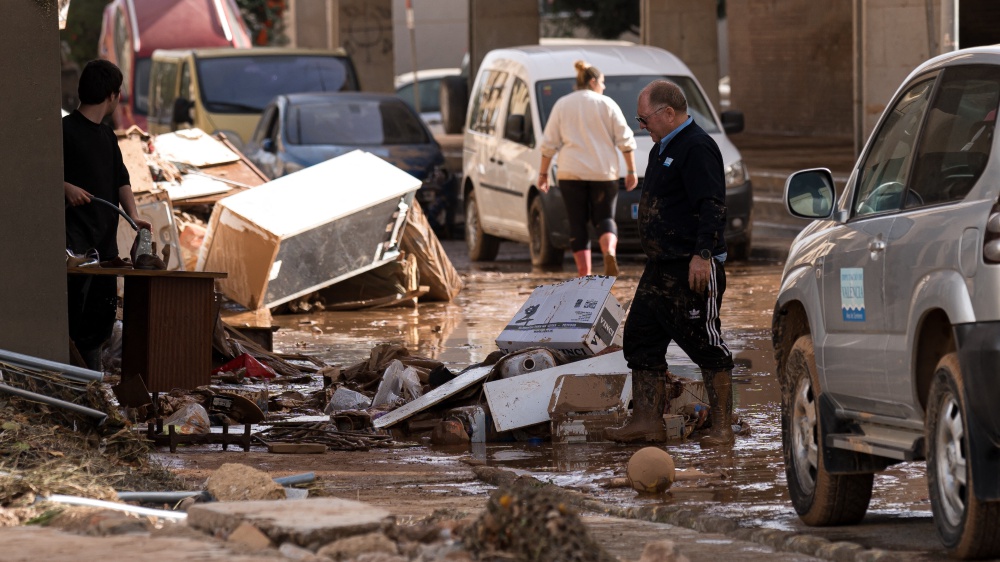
299 130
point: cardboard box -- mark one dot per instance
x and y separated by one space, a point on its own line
307 230
577 317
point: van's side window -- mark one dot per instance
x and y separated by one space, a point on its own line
486 102
956 141
886 168
520 104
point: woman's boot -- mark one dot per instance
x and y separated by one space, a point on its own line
649 398
719 385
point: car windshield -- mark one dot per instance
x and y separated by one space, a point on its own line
625 91
239 84
354 122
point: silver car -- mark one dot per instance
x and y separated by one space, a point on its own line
887 323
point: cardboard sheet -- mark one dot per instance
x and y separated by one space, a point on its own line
194 147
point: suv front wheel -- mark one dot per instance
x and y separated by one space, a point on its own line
820 498
968 526
482 246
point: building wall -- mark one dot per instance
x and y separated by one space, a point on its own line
362 27
441 29
494 25
688 29
791 65
33 318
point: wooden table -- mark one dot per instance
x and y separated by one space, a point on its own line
167 325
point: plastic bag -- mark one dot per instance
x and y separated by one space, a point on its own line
398 381
111 354
190 419
347 399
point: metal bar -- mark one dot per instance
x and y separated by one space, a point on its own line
54 402
296 479
68 371
73 500
162 497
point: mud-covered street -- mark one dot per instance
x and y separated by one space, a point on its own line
462 332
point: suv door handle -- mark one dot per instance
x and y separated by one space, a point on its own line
876 246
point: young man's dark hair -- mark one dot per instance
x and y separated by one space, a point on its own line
99 79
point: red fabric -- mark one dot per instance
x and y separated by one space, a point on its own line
254 369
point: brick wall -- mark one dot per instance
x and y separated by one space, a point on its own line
790 65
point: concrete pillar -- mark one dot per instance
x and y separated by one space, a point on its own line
441 28
790 65
33 317
891 38
362 27
494 25
688 29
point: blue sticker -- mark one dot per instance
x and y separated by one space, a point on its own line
852 294
668 161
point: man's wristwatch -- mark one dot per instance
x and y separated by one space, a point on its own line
705 254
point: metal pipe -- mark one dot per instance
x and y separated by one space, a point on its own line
73 500
296 479
55 402
162 497
68 371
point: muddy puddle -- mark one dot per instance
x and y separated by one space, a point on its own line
462 333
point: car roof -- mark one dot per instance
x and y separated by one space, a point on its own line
319 97
556 61
171 25
430 73
211 53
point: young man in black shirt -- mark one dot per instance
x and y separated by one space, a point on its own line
93 167
682 218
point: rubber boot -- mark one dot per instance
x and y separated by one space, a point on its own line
719 385
649 397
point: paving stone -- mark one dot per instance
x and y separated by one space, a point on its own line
308 523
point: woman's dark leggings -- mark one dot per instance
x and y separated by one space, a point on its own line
589 202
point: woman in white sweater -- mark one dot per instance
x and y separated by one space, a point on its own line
585 128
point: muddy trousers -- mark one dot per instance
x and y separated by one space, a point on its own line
649 400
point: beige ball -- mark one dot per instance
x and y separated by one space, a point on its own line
651 471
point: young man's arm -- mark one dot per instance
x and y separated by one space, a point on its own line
76 195
128 205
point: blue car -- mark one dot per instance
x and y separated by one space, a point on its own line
299 130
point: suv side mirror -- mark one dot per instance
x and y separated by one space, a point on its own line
809 194
182 111
268 145
732 122
515 128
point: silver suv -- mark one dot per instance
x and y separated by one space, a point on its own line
887 323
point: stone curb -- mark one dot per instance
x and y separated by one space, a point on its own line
698 520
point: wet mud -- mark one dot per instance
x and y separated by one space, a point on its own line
753 489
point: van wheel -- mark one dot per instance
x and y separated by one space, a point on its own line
820 498
482 246
454 99
542 250
967 526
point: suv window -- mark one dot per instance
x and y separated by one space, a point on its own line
625 91
486 102
520 104
885 169
955 144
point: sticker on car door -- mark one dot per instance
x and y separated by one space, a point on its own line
852 294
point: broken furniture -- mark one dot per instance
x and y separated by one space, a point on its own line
171 438
167 326
307 230
583 406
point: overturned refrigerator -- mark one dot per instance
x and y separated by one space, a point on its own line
307 230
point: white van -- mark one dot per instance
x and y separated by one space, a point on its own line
512 96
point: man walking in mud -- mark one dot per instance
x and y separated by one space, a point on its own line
682 217
93 167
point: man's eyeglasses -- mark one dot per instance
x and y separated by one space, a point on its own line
643 121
